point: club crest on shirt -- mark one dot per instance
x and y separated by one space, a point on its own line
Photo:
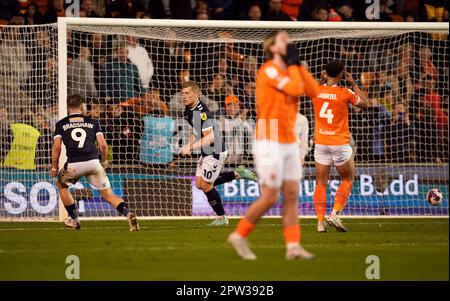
203 116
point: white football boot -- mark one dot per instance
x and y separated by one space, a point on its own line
132 222
322 227
241 247
334 220
298 252
220 221
71 223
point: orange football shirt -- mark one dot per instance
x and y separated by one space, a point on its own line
277 92
331 115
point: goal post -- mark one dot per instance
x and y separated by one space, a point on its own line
130 72
62 96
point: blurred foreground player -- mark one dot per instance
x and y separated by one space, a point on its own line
277 158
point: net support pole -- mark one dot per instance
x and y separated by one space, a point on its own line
62 96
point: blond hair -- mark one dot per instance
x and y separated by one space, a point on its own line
269 40
191 84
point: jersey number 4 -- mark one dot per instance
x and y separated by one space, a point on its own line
79 135
326 113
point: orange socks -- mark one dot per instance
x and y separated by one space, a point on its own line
292 234
320 201
340 200
244 228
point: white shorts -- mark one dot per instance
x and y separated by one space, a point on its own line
93 171
276 162
209 167
332 154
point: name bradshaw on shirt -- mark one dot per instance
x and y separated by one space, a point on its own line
78 125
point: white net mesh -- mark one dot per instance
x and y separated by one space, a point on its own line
131 79
28 113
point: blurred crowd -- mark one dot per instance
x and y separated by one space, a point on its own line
125 78
28 12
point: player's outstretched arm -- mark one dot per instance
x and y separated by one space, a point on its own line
311 85
103 147
295 85
362 99
56 152
291 84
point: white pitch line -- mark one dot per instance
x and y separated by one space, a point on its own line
256 247
187 218
211 227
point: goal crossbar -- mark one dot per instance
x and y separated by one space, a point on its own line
255 24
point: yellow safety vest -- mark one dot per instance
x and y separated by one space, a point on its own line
23 147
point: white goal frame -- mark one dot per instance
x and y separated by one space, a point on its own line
62 24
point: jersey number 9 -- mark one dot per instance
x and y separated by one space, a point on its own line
79 135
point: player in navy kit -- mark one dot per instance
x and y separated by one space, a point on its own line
79 134
206 137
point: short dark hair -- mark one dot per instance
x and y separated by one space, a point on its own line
334 68
74 101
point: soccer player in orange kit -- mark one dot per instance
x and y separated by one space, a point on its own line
279 82
332 141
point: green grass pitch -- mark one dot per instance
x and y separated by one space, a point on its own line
408 249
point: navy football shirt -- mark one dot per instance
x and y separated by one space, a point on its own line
200 119
79 134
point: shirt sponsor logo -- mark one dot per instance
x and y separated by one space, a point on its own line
327 133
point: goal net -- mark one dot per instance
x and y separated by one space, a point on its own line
131 76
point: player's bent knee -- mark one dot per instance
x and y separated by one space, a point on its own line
198 183
270 199
290 195
206 187
273 201
269 195
61 185
203 185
